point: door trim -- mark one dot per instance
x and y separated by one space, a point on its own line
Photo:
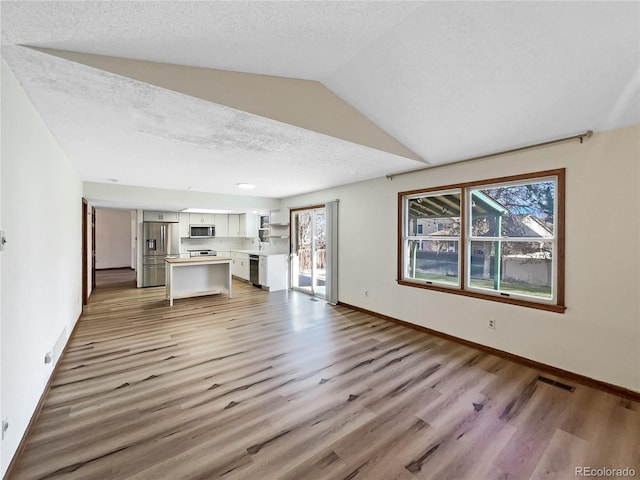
93 248
85 259
293 231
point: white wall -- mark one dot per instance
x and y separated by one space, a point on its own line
598 335
41 293
113 238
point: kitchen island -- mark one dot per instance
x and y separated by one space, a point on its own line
197 276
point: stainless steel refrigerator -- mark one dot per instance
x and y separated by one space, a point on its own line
160 240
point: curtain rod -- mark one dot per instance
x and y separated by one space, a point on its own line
581 136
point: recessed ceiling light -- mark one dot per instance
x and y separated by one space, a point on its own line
245 186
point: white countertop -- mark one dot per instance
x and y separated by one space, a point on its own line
258 252
196 260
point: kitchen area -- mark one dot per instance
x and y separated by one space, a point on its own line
253 247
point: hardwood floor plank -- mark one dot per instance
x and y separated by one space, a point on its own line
278 387
560 457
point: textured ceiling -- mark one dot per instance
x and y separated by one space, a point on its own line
291 39
449 80
460 79
115 127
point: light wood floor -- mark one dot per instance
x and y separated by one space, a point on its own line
116 277
277 386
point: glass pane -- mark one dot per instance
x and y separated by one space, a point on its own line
524 211
302 261
433 260
523 268
320 273
434 215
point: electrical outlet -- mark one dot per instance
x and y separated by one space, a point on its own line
5 426
366 293
492 324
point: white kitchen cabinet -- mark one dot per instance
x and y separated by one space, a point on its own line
201 218
262 270
244 225
234 225
249 225
273 272
221 222
171 217
235 264
184 225
245 269
240 265
280 217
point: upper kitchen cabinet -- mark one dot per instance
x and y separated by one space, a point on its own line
201 218
245 225
248 225
222 225
280 217
171 217
234 225
184 225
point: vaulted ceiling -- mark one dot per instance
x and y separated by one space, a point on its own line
406 83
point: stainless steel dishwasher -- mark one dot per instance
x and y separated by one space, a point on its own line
254 270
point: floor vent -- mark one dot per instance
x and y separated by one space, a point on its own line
555 383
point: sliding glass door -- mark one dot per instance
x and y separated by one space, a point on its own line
309 251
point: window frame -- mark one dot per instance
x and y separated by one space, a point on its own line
406 237
555 304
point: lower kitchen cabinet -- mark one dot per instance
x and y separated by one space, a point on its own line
273 272
240 265
262 270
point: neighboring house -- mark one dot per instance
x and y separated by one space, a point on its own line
532 226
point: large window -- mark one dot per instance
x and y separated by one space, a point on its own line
498 239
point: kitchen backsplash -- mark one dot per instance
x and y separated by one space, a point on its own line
224 243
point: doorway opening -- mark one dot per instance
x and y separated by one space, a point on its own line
114 255
309 251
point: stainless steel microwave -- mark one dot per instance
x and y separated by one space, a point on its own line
202 231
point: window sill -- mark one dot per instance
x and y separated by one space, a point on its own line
466 293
